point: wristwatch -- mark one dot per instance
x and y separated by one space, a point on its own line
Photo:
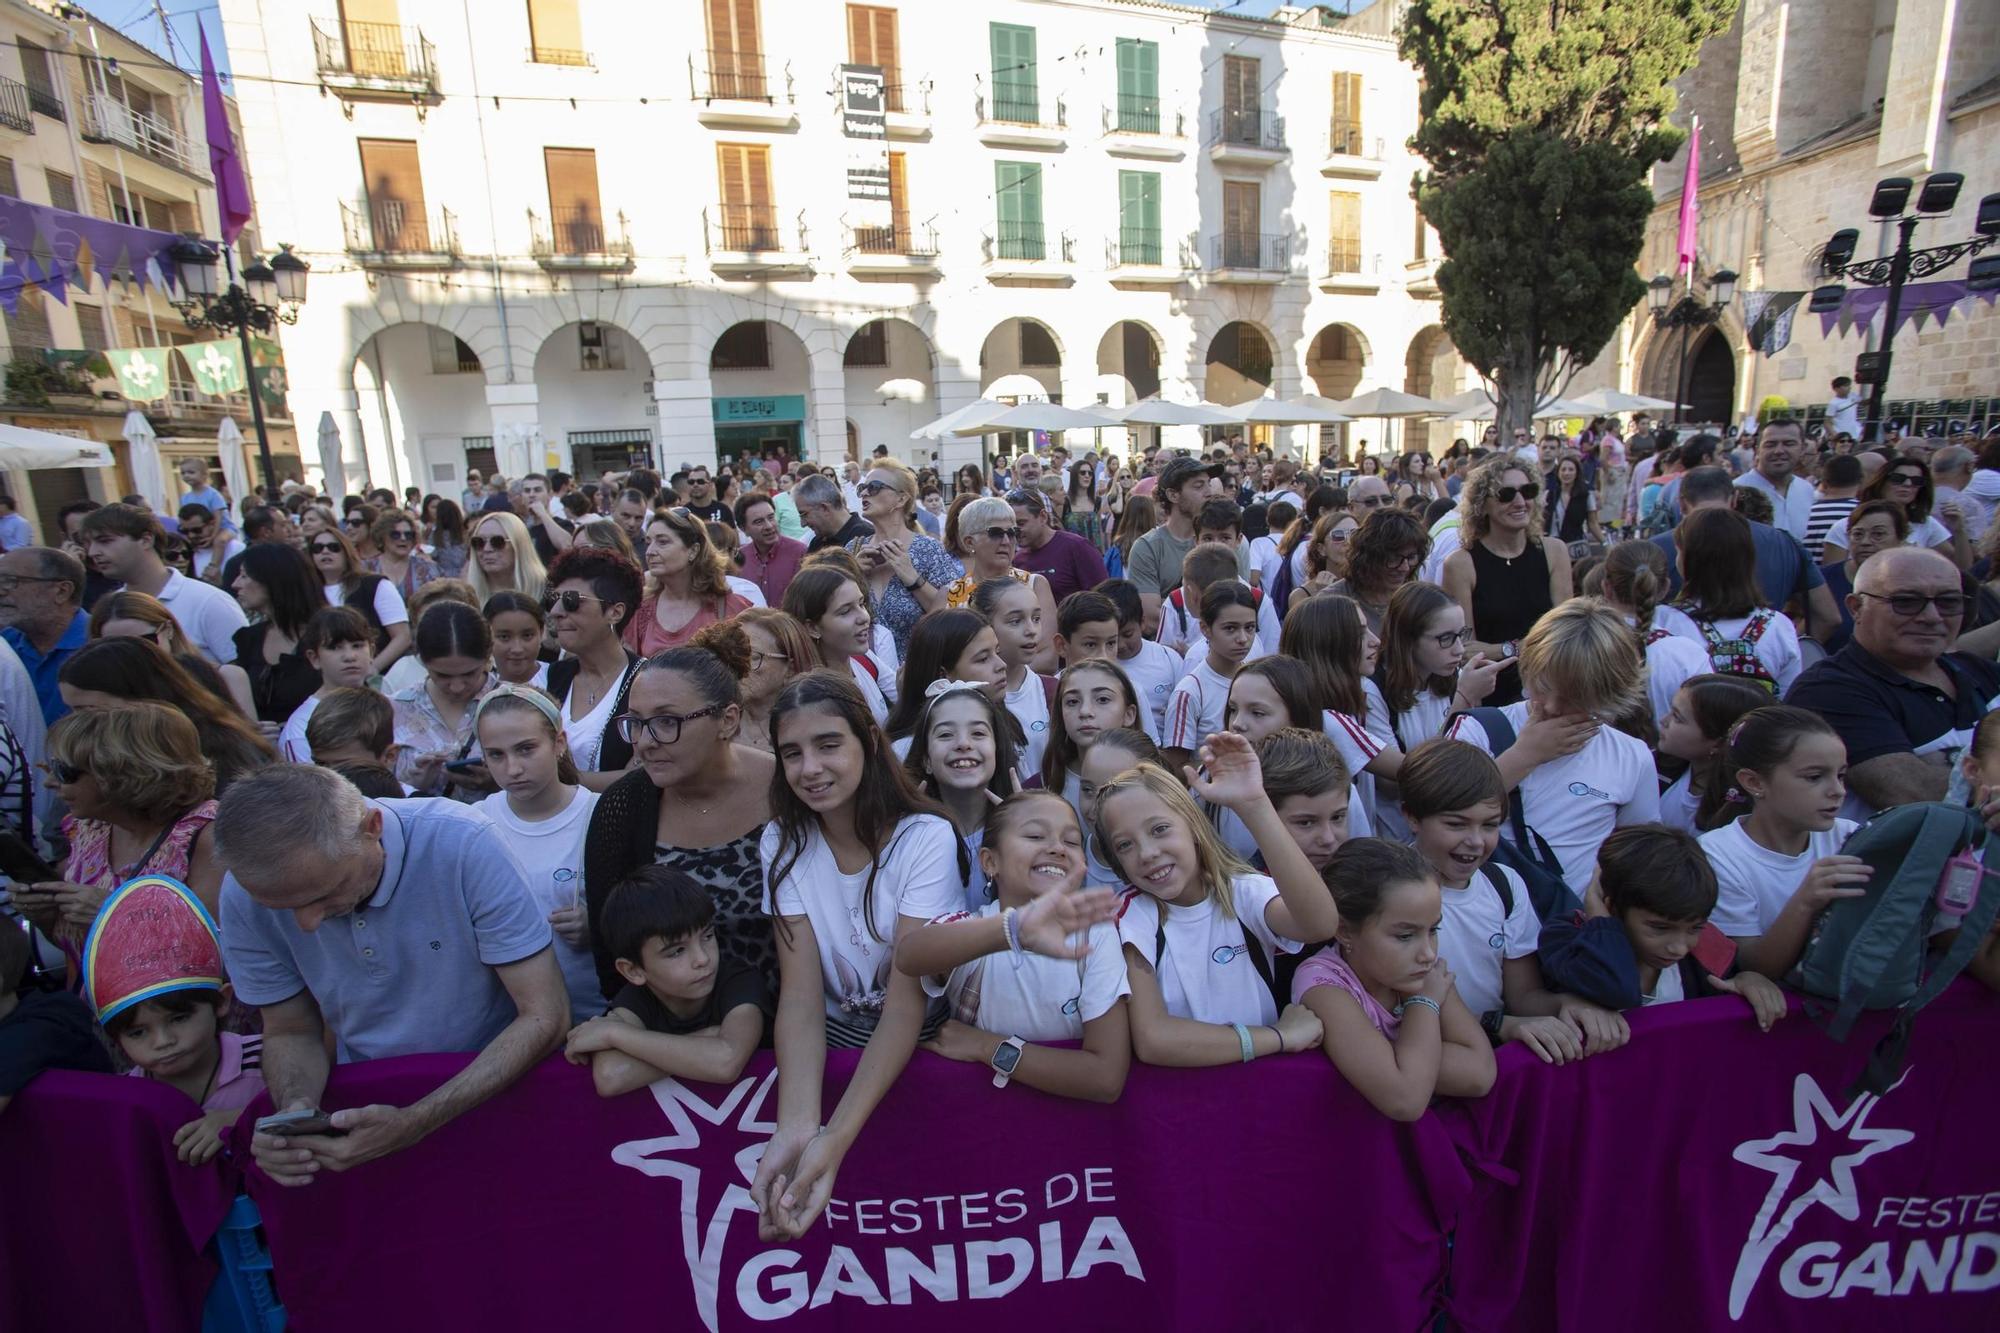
1489 1022
1005 1057
916 582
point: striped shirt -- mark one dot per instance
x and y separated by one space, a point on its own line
1824 514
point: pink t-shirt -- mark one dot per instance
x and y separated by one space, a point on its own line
239 1076
1328 968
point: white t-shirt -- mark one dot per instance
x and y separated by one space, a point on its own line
1196 710
390 608
1576 801
1477 934
208 555
210 616
1034 997
1666 990
551 851
1265 559
407 672
1669 663
1753 882
1792 509
871 690
292 736
1153 671
1928 534
1206 973
1359 743
1030 707
882 651
917 877
586 733
1678 805
1191 640
1777 647
1444 541
745 589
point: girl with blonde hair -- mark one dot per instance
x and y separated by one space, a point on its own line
503 558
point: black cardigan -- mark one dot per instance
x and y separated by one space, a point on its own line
624 829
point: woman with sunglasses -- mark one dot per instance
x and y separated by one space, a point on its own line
405 566
1504 576
1326 554
987 536
503 558
134 615
687 584
907 571
1940 527
347 583
697 801
279 588
592 593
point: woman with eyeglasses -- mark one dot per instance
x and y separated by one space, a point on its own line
112 673
697 801
445 535
1424 670
134 615
503 558
765 647
592 592
436 749
1384 553
687 584
1940 527
1503 575
279 588
347 583
907 571
405 566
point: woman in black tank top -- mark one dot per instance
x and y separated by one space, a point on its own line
1504 576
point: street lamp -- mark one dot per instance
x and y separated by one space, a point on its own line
1688 314
269 294
1938 197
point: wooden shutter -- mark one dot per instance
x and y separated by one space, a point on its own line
35 68
576 216
1344 232
871 40
556 31
899 200
28 327
395 187
1138 86
748 220
1239 83
62 190
374 37
735 44
1240 217
1346 115
1014 91
8 186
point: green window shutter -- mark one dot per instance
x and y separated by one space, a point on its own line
1138 86
1017 188
1014 93
1139 217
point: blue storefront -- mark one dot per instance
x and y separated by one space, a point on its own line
769 426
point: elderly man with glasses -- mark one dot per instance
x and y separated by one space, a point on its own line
1904 702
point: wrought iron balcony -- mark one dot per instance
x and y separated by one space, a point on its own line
1137 114
45 102
1017 104
390 233
576 236
750 228
1134 246
1350 153
1250 252
108 120
903 239
723 76
366 59
1343 257
1008 243
1246 127
17 109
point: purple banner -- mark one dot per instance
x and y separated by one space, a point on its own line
1863 306
54 249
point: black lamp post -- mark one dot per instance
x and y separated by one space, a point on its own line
1892 197
1687 315
268 295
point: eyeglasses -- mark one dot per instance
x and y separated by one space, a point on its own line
1505 495
1910 604
758 659
403 535
1002 534
1369 502
1906 478
1340 534
1450 637
8 581
868 488
491 543
66 773
323 548
664 728
569 599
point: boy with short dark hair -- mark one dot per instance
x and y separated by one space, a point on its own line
351 726
684 1011
338 643
1086 627
1151 667
41 1029
1180 615
1645 938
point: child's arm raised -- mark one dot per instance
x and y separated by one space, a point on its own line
624 1056
1159 1038
1045 926
1093 1072
1231 776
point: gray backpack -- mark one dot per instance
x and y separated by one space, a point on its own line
1872 952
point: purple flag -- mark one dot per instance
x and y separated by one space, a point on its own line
232 193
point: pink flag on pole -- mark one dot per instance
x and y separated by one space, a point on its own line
1690 198
232 192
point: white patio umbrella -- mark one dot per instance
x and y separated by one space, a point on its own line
1163 412
1307 411
21 447
1616 400
1472 405
330 460
229 444
1386 403
975 411
1035 416
147 476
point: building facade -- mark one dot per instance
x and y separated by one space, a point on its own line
1804 106
581 234
94 122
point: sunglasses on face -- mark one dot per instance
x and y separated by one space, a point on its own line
1911 604
1002 534
67 773
403 535
569 600
1906 478
1505 495
868 488
324 548
490 543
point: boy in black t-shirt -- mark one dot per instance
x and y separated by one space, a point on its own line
42 1029
684 1012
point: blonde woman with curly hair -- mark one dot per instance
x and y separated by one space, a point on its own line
687 586
1504 576
503 559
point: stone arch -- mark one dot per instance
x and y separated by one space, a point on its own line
1128 357
890 382
764 377
1338 360
419 410
1023 345
1240 363
1426 374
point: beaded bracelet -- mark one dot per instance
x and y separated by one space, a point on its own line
1409 1000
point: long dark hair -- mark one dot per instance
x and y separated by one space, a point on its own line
138 670
1006 755
1918 509
882 801
447 522
1372 550
811 592
1762 739
1324 632
939 639
1410 609
290 582
1056 756
1718 565
1292 682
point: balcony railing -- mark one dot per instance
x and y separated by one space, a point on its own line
578 231
556 55
1246 127
387 53
749 228
1246 250
907 99
44 102
1346 140
720 76
1137 114
912 242
1134 246
1343 257
391 227
1014 104
1016 241
17 111
108 120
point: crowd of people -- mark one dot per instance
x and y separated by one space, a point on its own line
1196 759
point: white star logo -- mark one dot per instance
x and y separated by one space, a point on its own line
140 372
702 1244
1776 1217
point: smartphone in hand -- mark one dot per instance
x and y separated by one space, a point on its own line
304 1121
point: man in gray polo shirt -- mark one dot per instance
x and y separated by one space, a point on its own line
406 925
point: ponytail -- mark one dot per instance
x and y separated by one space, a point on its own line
1761 740
1635 576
